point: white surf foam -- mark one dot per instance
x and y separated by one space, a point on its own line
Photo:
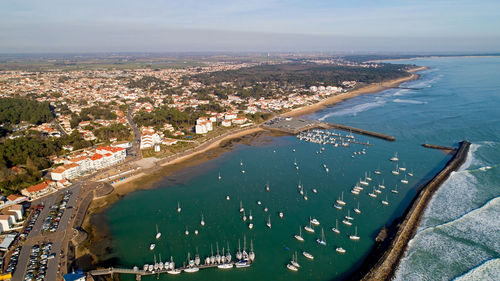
489 270
355 109
408 101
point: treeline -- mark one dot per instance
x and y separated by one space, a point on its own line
300 74
92 113
148 83
166 114
14 111
31 155
119 131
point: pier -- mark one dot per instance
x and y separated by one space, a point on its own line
383 262
439 147
294 126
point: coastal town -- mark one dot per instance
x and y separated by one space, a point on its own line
109 125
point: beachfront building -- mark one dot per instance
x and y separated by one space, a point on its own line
38 190
6 223
149 140
203 125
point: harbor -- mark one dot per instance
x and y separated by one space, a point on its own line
294 126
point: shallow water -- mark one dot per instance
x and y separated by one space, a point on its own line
454 100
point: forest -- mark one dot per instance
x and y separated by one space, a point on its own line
303 74
15 110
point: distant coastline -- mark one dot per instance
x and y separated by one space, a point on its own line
205 152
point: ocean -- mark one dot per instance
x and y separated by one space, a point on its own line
455 99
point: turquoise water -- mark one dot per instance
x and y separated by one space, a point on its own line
454 100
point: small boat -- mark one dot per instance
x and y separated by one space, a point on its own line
152 246
410 173
241 207
340 250
218 257
292 267
150 267
381 185
355 236
250 226
357 210
385 202
191 268
251 254
267 187
336 228
178 207
307 255
305 196
395 190
355 192
341 201
326 170
402 168
314 190
225 266
367 178
294 261
244 218
212 257
268 222
377 171
363 182
227 198
202 222
220 176
347 222
196 232
377 190
373 194
174 271
322 240
266 209
241 163
338 207
314 221
187 231
250 217
301 191
239 254
259 203
242 171
396 171
145 268
228 254
299 236
309 228
405 180
394 158
158 234
349 215
281 214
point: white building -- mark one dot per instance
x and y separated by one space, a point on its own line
6 222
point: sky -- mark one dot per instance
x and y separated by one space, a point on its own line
349 26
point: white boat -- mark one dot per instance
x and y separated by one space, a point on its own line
239 254
305 196
196 232
225 266
197 259
338 207
410 173
241 163
294 261
340 250
373 194
349 215
145 268
174 271
281 214
402 168
367 178
241 207
291 267
220 176
309 228
268 221
242 171
381 185
187 231
158 234
250 217
357 210
267 187
218 257
336 228
347 222
314 190
377 171
151 267
314 221
299 236
363 182
251 254
178 207
152 246
301 191
355 192
227 198
355 236
385 202
405 180
326 170
394 158
377 190
340 201
395 190
322 240
259 203
202 222
228 254
396 171
307 255
266 209
244 218
250 226
191 269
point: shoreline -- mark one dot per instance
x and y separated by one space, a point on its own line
212 149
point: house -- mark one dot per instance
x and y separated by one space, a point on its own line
6 222
15 198
18 212
37 190
169 142
240 120
226 123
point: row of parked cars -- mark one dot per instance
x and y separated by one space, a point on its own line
11 267
31 223
56 213
37 265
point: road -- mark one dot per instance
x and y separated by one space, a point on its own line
134 150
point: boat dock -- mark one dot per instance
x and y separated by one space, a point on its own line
138 272
294 126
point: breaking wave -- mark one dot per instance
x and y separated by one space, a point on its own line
355 109
409 101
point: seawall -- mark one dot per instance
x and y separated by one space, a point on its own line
387 264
